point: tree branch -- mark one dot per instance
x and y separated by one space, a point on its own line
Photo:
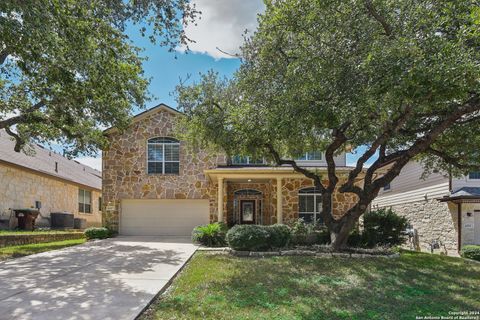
7 123
3 56
19 142
379 18
456 162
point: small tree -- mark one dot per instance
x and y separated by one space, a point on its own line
67 69
394 80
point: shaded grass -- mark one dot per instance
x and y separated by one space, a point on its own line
226 287
27 249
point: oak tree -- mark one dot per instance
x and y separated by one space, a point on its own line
395 81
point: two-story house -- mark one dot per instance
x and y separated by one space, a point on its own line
154 184
443 210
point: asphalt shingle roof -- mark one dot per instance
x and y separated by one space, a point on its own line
44 161
467 191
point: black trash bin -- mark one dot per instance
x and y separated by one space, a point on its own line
61 220
79 223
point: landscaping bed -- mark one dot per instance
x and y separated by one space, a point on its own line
226 287
13 238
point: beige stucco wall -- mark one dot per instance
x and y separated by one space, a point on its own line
21 188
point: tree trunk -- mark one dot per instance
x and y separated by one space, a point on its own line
339 236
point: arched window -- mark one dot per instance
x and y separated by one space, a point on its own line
163 156
310 205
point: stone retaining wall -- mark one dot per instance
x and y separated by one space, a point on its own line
21 239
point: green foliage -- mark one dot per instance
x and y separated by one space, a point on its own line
67 69
97 233
247 237
471 252
308 233
28 249
210 235
383 227
280 235
399 79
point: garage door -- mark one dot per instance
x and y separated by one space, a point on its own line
162 217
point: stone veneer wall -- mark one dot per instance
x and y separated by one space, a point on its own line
433 220
125 168
341 201
21 188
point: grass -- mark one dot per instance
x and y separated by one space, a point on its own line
27 249
226 287
20 232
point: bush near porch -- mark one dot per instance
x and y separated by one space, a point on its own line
471 252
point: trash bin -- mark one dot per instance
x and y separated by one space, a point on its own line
61 220
79 223
26 218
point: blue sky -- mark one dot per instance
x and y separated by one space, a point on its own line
222 25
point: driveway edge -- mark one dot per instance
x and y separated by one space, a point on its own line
166 286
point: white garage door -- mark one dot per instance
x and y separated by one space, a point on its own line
162 217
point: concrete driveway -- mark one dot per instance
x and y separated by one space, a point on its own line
108 279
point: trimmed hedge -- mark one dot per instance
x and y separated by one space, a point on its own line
258 238
280 235
97 233
210 235
471 252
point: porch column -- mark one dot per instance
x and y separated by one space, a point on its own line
220 199
279 201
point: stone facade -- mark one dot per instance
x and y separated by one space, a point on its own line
125 175
21 239
20 188
125 168
433 220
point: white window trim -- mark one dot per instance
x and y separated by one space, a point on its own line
163 156
91 201
470 179
322 159
315 214
248 161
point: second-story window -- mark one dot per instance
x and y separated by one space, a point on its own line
311 156
247 160
163 156
474 175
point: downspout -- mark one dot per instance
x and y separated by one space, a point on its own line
459 211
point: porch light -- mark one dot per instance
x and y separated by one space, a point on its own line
249 180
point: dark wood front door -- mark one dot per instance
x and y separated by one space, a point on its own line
247 211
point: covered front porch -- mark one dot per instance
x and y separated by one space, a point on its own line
266 195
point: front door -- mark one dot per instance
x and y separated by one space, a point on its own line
247 211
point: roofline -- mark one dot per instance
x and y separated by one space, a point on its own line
42 173
458 198
146 113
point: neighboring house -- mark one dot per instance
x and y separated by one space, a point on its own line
154 184
440 208
48 181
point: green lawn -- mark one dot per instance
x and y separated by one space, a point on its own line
27 249
226 287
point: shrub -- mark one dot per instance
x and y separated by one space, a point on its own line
303 233
280 235
210 235
471 252
248 237
323 236
383 227
97 233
